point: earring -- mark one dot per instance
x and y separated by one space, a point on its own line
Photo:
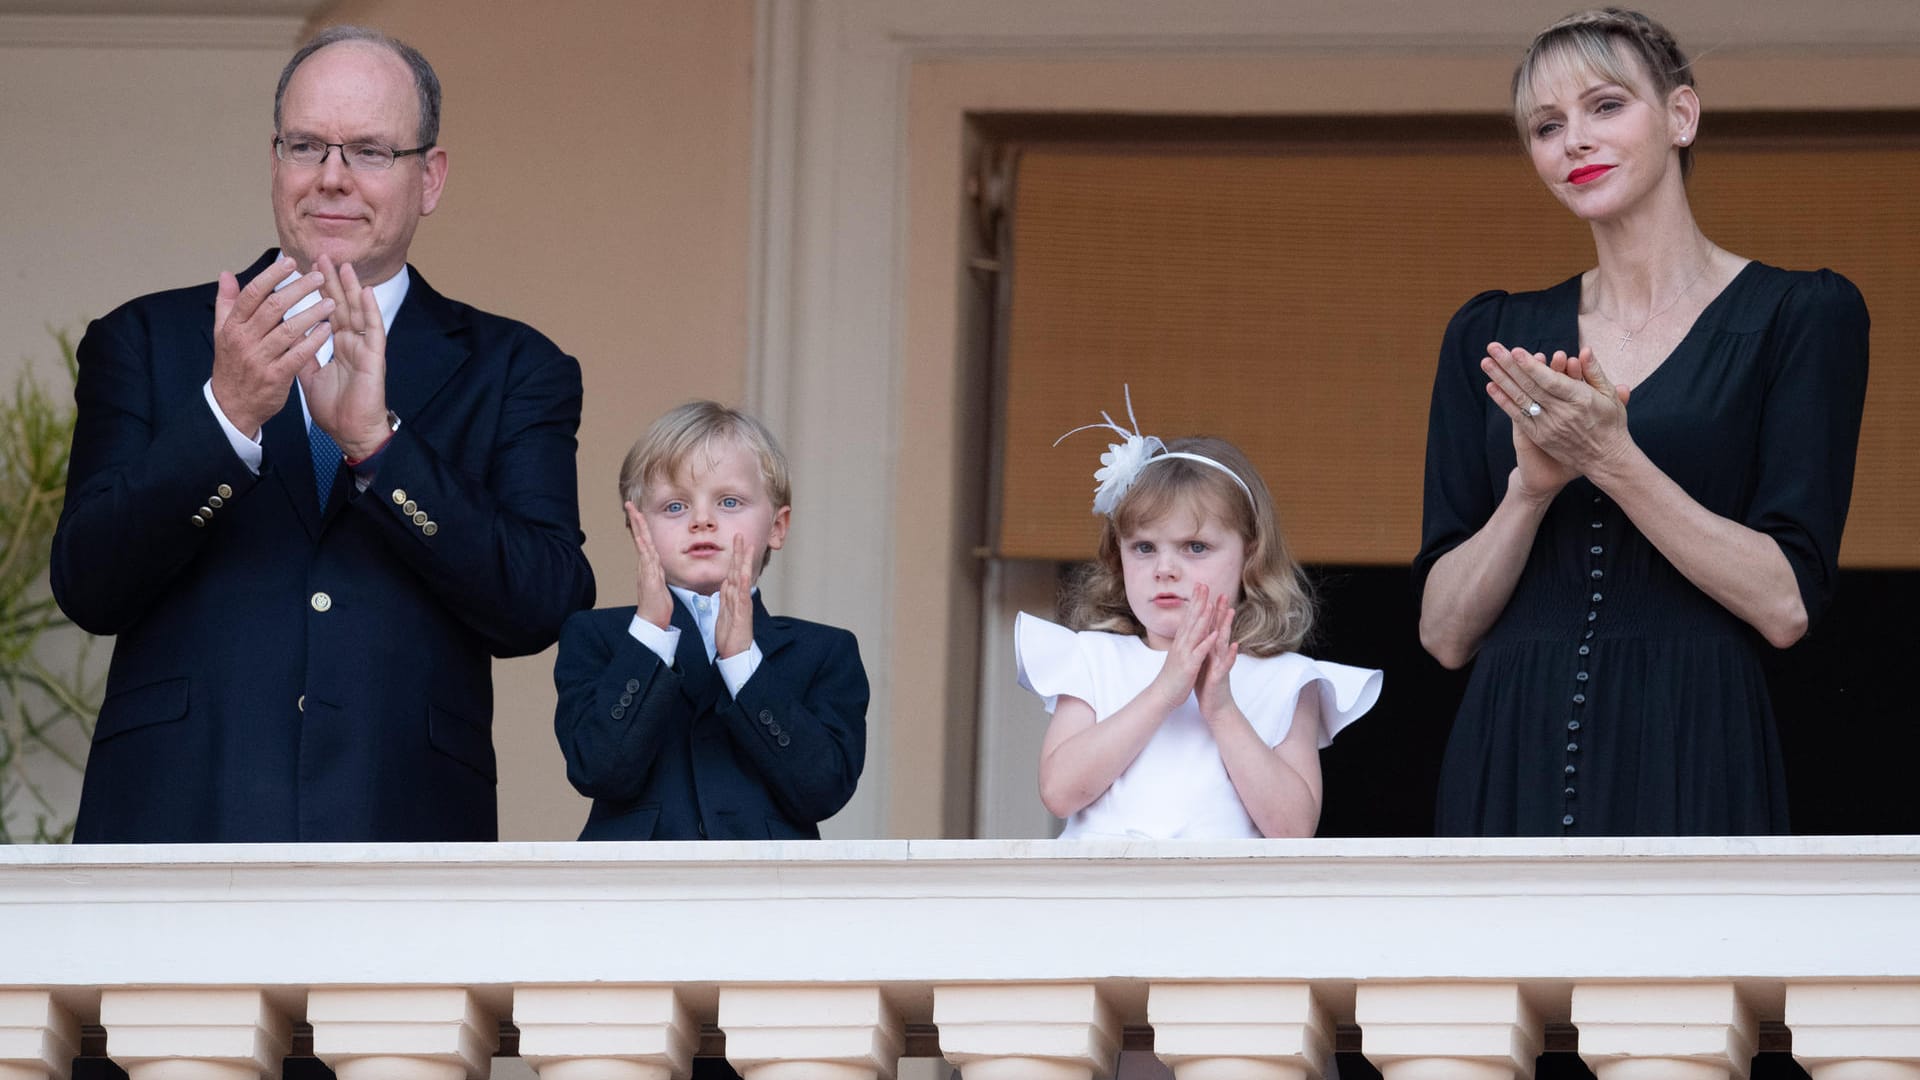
1685 139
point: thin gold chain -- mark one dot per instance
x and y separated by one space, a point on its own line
1626 339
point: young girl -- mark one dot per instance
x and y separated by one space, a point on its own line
1179 706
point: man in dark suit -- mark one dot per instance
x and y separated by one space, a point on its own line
314 500
694 714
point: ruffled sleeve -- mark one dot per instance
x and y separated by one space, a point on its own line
1050 660
1346 693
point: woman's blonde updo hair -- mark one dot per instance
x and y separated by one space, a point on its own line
1600 40
1275 612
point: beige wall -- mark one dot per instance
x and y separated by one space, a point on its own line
600 155
124 170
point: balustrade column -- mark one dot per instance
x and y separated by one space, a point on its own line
179 1034
1856 1031
1665 1030
38 1038
1240 1031
605 1032
1448 1030
811 1032
404 1033
1027 1031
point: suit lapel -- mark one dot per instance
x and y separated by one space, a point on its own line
424 348
288 456
698 676
771 636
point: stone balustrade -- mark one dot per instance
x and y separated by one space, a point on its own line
1033 960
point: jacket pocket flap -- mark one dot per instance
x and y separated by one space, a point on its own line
141 706
462 740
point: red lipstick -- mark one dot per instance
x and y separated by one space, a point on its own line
1588 173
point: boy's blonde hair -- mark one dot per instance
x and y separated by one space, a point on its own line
1602 41
1275 611
691 429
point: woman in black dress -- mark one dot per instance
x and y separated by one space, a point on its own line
1617 559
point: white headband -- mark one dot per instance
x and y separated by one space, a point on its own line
1124 460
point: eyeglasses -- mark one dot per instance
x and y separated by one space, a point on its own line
358 156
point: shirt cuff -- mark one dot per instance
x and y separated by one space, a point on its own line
664 643
248 450
364 471
735 670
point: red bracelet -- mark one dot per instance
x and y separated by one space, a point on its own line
354 463
393 425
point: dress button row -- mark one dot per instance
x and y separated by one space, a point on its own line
1582 676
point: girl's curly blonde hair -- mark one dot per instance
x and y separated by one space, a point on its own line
1275 611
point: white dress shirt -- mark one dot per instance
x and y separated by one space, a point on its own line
734 670
388 294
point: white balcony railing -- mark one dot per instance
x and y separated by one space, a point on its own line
1010 959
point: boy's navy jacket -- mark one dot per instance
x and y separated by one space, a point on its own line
667 754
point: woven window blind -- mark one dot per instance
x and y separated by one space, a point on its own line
1291 298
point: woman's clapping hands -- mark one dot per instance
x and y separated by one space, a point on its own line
1568 417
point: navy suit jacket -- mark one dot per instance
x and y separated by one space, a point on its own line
667 754
283 674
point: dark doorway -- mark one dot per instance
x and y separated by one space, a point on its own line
1846 714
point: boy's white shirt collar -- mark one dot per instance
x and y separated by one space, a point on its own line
665 643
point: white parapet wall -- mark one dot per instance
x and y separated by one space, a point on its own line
1449 954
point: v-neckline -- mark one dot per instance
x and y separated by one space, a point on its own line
1699 321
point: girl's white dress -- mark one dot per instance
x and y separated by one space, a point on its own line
1178 786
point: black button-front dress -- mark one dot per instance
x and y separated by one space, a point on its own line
1612 697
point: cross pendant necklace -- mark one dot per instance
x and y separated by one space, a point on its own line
1626 338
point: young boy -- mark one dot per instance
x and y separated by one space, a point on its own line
695 714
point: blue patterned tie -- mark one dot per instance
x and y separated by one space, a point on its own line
326 460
